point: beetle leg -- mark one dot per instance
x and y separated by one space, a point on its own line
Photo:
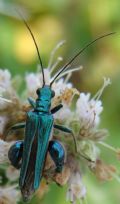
15 127
57 154
18 126
67 130
57 108
15 154
32 102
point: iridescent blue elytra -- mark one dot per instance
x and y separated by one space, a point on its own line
39 124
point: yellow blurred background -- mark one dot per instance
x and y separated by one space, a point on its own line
78 22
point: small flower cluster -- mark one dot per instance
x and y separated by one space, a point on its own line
82 147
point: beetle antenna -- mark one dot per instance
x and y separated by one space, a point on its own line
84 48
39 57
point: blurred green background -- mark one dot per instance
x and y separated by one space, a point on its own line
78 22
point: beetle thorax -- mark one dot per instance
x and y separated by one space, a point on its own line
43 102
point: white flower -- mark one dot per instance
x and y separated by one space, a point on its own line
88 110
76 189
60 86
9 195
32 82
3 121
4 148
5 80
12 173
64 114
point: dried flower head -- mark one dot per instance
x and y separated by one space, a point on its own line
103 171
76 188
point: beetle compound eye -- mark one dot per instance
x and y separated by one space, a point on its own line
38 91
53 94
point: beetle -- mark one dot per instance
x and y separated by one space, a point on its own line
29 154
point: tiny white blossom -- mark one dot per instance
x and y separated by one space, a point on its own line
64 114
60 86
3 121
12 173
5 80
4 148
32 82
88 110
9 195
76 189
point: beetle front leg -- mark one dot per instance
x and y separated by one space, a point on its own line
18 126
57 154
32 102
15 154
56 108
67 130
